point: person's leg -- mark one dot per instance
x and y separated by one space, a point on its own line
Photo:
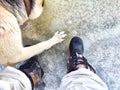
13 79
80 74
30 67
23 76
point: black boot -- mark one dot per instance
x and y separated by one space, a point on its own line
76 47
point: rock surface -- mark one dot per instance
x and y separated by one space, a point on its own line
97 22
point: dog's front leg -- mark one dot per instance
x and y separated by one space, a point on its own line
28 52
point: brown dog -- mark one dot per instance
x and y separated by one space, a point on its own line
12 14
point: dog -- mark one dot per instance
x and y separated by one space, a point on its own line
14 13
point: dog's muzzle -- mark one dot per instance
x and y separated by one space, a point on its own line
43 3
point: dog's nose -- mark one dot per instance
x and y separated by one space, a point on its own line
43 3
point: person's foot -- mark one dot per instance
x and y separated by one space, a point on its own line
31 67
77 60
33 70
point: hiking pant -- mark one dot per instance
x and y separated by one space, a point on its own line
82 79
13 79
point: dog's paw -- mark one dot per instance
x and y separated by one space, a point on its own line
58 37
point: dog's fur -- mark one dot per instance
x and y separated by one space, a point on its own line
12 14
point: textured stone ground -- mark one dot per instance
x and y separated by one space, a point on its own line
97 22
